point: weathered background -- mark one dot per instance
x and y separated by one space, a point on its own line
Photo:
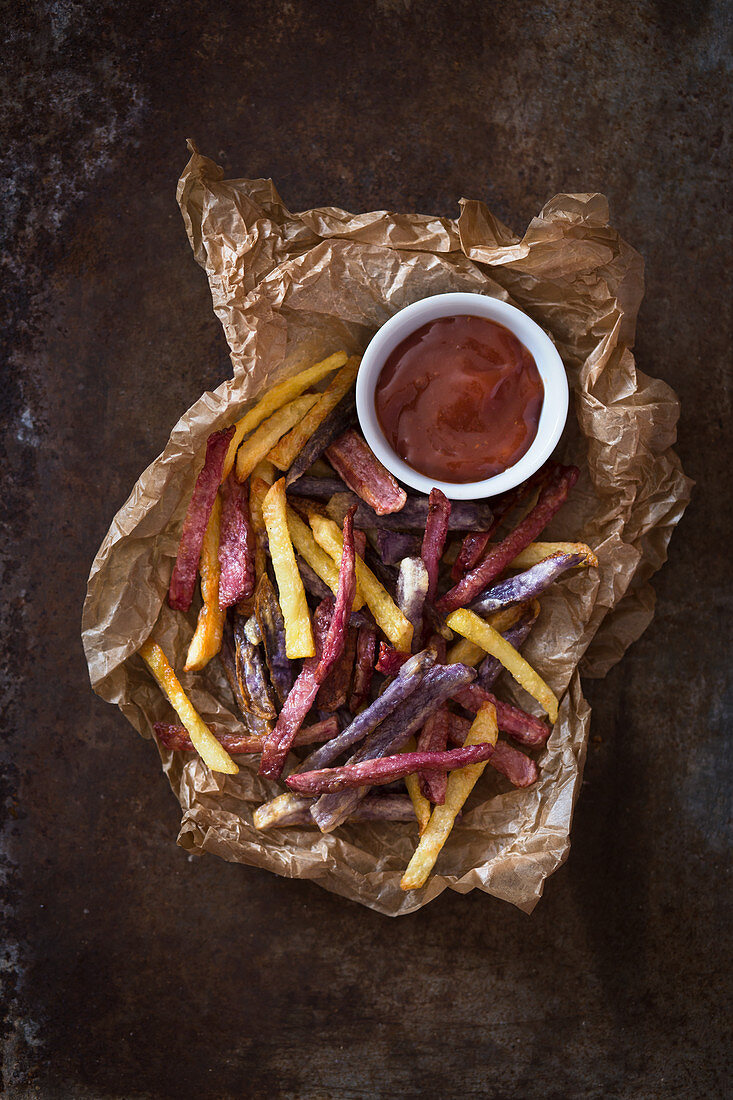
133 971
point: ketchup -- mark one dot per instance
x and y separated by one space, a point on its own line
460 399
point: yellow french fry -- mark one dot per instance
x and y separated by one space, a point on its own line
272 812
420 804
538 551
320 562
287 450
460 784
206 641
298 630
265 471
464 652
254 449
258 490
274 399
320 468
209 749
476 630
387 614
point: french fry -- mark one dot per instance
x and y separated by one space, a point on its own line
436 531
460 784
420 803
320 468
385 769
271 627
264 439
464 652
176 737
185 568
538 551
527 585
258 490
362 471
289 447
209 749
266 471
385 611
476 630
236 545
298 631
278 396
363 667
206 641
320 562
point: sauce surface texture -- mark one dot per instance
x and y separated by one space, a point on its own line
460 399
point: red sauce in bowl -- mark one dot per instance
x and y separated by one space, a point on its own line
460 399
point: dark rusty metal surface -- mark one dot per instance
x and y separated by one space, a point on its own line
132 970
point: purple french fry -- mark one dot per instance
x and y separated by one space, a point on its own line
466 515
525 586
393 546
272 631
321 488
252 677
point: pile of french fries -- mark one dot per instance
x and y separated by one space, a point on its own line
362 629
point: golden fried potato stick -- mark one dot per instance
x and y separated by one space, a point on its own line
420 803
464 652
320 562
266 471
287 450
460 784
320 468
258 490
387 614
476 630
254 449
206 641
209 749
298 630
538 551
271 812
275 398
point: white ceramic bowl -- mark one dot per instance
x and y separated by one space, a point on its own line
549 364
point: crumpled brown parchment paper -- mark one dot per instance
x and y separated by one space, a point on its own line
291 288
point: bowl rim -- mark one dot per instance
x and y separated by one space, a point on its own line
456 303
